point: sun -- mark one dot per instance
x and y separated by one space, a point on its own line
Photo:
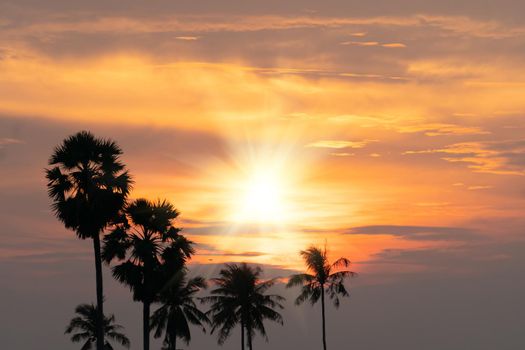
262 182
262 199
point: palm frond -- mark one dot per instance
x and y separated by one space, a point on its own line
341 262
299 280
87 322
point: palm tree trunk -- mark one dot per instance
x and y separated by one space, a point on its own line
322 311
145 324
100 295
242 335
175 343
174 340
249 340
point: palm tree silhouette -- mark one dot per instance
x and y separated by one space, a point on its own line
178 309
240 298
152 250
322 280
88 185
84 328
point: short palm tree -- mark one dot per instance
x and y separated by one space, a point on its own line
178 309
83 328
151 247
88 185
325 278
240 299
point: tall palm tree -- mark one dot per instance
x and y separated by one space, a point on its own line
88 185
84 328
178 309
325 278
240 299
150 248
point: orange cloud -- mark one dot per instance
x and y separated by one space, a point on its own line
187 38
484 157
394 45
360 43
340 144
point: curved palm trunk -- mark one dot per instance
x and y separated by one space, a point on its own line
145 324
100 295
322 311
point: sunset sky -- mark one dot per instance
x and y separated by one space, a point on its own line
392 131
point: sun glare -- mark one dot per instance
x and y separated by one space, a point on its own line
262 199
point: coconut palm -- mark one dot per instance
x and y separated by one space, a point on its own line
84 328
240 299
325 278
178 309
88 185
151 249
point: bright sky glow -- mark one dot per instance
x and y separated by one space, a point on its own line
262 200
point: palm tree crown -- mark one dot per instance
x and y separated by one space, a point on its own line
240 299
325 278
88 183
83 328
178 309
152 250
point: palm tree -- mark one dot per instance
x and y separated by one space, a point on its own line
89 186
178 309
240 298
152 250
84 328
324 278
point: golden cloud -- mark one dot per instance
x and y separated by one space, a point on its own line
340 144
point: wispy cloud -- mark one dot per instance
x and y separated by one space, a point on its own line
342 154
394 45
495 157
440 129
420 233
339 144
9 141
374 43
479 187
453 25
187 38
360 43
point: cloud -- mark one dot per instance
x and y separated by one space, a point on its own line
9 141
394 45
374 43
479 187
360 43
232 254
170 22
418 233
187 38
228 228
339 144
374 76
342 154
494 157
442 129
